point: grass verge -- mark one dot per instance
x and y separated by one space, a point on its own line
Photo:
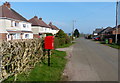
113 45
42 72
66 45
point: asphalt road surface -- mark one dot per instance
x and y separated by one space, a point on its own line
91 61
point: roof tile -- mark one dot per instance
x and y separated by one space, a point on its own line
10 13
38 22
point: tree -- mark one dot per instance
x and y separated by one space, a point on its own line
76 33
61 34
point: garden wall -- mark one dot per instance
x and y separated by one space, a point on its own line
19 56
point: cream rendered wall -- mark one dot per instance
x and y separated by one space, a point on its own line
7 24
47 30
2 26
10 25
38 29
54 31
27 28
35 29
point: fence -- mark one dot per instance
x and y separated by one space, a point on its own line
19 56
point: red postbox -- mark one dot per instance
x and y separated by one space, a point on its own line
49 42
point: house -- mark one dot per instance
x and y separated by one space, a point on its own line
13 25
105 33
54 28
97 31
109 32
113 33
39 27
114 30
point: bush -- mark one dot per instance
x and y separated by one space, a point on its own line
61 34
49 34
59 42
62 41
67 40
56 42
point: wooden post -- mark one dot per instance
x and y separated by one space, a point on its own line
48 57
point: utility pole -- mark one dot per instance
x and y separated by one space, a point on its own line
116 38
73 26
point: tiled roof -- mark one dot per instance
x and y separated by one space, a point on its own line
53 26
109 29
8 12
106 30
38 22
98 30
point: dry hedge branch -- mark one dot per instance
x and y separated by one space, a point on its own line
19 55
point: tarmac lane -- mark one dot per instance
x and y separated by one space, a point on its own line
91 61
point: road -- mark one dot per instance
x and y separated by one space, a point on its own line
91 61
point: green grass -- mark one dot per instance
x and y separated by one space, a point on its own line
113 45
42 72
66 45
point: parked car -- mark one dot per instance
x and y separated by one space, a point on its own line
88 37
97 38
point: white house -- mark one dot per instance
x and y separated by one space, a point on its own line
39 27
13 25
54 28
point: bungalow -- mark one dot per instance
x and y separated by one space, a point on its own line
104 33
54 28
97 31
113 33
39 27
114 30
13 25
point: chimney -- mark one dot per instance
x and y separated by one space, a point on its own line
7 4
35 17
40 18
50 23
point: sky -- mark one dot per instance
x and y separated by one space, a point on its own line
88 15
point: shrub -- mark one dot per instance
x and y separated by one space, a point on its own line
61 41
62 38
67 40
56 42
61 34
49 34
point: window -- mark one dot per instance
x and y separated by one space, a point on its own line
8 36
26 35
24 25
16 24
14 36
